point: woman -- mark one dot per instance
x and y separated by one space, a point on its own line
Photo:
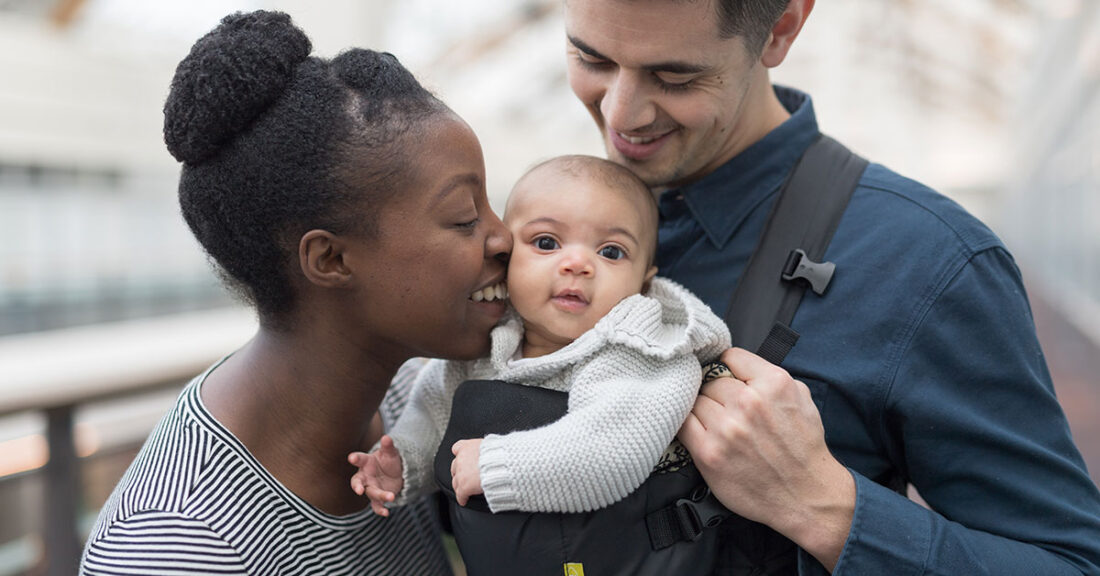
347 205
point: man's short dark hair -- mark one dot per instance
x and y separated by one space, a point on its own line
750 19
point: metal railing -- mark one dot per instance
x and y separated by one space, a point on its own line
56 372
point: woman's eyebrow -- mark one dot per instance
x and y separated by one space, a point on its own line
457 182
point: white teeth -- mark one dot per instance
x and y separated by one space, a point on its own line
636 139
490 293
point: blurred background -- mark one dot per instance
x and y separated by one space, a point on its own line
107 305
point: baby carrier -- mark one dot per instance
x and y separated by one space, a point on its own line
666 526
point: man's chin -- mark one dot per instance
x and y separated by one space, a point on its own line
647 170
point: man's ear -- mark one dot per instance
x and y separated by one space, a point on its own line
321 257
648 279
785 31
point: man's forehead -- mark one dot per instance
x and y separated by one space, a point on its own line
649 31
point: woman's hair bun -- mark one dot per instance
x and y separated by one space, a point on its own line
229 78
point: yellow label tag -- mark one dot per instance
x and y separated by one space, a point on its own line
574 569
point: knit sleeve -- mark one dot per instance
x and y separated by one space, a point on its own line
624 409
160 543
418 431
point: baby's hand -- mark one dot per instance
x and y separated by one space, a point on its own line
465 475
379 475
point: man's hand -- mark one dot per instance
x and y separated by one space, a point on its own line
465 474
758 441
379 475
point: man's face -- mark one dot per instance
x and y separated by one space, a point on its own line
673 99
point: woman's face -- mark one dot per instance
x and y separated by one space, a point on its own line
437 251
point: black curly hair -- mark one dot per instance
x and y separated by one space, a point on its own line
275 143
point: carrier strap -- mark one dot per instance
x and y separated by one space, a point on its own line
788 256
786 260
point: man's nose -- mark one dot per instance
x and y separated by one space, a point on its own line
626 105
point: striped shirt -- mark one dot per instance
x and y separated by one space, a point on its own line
195 501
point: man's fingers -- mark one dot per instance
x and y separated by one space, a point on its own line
721 391
691 430
747 366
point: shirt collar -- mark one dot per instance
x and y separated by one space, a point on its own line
723 199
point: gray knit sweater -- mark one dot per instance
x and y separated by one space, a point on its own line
632 380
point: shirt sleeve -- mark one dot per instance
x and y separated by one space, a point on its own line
161 544
624 410
973 420
418 431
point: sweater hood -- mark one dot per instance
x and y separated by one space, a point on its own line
665 322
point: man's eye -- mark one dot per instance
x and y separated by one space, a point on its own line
545 243
671 86
612 252
590 62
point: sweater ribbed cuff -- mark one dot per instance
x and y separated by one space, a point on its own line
410 474
496 478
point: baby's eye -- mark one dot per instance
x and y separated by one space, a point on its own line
545 243
612 252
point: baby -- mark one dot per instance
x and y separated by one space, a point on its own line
590 318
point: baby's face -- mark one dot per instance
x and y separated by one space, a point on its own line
579 248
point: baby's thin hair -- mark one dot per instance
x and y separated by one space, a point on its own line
612 175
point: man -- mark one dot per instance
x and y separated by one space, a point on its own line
920 365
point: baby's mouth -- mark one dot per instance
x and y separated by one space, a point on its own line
490 293
571 296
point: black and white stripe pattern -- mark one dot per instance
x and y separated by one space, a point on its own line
194 501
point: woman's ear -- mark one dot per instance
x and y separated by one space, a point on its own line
321 256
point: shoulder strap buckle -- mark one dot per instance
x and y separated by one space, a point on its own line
818 274
685 520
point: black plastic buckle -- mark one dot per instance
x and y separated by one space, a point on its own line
818 274
701 510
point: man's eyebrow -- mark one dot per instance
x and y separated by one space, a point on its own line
674 67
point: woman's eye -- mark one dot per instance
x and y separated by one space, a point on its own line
545 243
612 252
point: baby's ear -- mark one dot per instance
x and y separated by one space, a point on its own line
648 279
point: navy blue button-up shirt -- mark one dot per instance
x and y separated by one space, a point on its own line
923 360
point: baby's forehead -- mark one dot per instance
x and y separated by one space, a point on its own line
553 187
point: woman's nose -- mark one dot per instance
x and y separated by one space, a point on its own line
498 242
